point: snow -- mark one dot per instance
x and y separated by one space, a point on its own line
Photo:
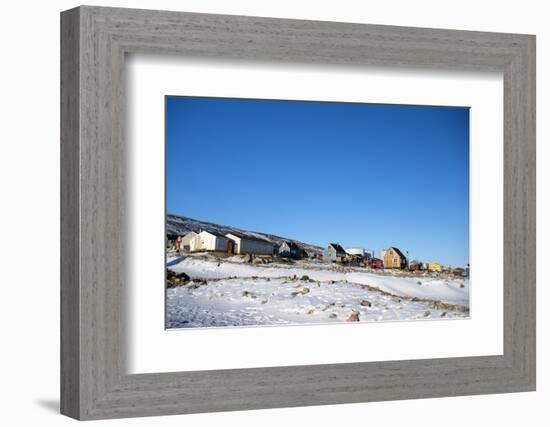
240 294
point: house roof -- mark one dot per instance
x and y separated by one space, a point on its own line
398 252
213 233
291 245
249 237
337 248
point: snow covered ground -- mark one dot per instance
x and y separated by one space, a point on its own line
233 293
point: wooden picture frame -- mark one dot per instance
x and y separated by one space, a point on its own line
94 41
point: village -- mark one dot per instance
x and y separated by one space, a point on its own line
223 276
257 247
219 275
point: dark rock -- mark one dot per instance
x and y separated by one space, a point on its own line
248 294
174 279
353 317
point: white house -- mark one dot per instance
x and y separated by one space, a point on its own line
187 242
362 252
245 244
356 251
207 241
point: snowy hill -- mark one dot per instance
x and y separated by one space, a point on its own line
180 225
230 292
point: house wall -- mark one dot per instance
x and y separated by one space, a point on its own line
329 254
287 251
187 239
221 244
194 243
237 240
206 242
284 250
209 242
255 247
245 246
392 259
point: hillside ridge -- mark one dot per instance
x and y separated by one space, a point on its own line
180 225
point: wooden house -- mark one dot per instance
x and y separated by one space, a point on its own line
394 258
289 249
247 244
334 253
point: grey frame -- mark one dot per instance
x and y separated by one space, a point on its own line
94 41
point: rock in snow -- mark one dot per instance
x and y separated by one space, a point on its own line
353 317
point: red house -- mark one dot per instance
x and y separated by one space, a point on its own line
415 265
376 263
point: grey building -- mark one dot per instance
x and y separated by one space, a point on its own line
290 250
334 253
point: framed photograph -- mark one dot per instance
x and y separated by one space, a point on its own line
262 213
271 154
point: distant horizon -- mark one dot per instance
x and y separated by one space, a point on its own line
362 175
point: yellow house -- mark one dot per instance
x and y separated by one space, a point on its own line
434 266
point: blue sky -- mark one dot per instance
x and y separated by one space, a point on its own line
365 175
